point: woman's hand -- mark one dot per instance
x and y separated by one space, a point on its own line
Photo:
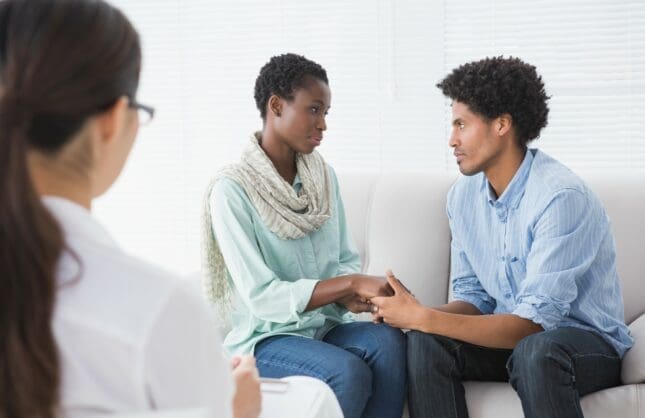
247 400
352 291
368 287
402 310
363 288
355 303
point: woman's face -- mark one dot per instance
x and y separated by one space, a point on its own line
302 120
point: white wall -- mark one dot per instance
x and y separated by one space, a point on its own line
383 58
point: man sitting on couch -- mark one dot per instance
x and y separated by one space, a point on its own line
537 300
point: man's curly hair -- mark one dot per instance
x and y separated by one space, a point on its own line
282 75
498 85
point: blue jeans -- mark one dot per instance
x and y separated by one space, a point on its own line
550 371
362 362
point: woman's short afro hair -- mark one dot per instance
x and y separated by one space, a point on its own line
282 75
494 86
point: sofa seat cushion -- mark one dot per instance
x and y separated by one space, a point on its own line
634 361
495 400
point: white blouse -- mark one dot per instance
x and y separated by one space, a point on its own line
130 337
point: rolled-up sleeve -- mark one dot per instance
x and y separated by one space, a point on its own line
266 295
566 241
465 284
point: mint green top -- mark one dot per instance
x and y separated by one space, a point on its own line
273 278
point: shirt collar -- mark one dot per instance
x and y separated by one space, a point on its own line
515 189
77 222
297 183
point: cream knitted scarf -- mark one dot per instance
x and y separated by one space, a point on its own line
284 212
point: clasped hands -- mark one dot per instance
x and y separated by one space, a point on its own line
387 300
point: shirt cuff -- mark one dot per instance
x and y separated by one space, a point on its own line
483 306
547 316
301 294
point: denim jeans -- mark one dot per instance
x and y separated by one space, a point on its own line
362 362
549 370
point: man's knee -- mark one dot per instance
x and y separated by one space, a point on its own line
429 352
534 357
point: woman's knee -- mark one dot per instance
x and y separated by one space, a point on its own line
351 381
390 341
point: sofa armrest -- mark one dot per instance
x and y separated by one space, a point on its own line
634 361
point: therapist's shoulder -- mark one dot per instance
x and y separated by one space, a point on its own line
163 286
119 301
162 296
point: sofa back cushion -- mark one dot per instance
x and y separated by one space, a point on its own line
403 227
399 221
356 189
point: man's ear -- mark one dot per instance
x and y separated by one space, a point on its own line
111 121
274 105
503 124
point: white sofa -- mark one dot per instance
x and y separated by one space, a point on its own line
399 222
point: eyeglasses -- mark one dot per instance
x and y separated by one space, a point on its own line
145 113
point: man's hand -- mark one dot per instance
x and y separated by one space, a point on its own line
247 400
402 310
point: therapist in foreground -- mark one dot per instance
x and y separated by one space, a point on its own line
84 327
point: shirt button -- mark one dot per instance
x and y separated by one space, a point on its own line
507 295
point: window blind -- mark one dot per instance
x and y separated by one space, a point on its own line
383 59
591 55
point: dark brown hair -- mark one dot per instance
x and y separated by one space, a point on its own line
496 85
61 61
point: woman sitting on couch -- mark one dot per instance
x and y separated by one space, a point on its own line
280 251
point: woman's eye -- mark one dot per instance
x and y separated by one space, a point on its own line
314 110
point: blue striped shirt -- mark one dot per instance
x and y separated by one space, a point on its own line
543 250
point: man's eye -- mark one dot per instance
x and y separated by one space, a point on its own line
314 110
461 125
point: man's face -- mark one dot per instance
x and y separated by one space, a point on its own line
476 146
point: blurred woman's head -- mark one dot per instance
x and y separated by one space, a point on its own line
293 97
69 71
